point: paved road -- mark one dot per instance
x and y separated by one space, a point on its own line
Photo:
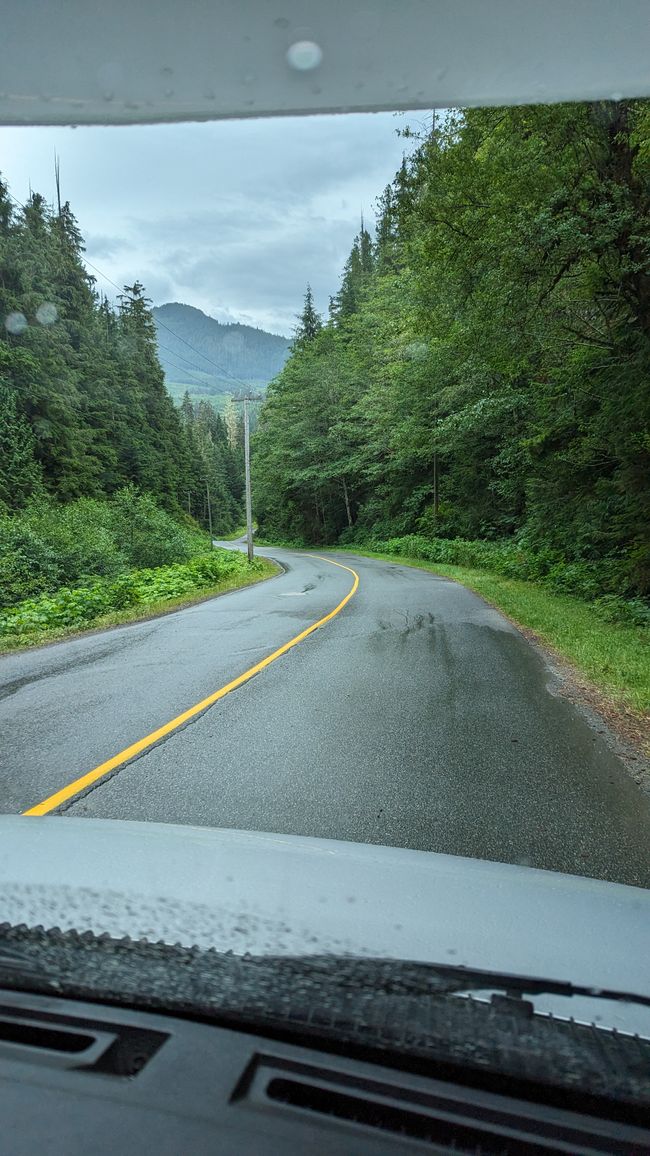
418 717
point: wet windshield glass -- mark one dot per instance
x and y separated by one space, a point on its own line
324 513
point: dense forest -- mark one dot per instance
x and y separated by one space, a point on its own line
84 407
98 468
484 372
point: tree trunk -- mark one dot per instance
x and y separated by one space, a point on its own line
347 501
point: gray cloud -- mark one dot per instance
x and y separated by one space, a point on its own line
233 217
98 246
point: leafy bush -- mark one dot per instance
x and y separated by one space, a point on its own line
85 604
82 534
148 535
28 565
49 545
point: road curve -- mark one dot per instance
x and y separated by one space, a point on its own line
417 717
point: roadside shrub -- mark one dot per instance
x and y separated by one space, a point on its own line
81 534
50 545
148 536
630 612
83 605
28 565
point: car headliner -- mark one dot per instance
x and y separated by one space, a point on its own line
134 61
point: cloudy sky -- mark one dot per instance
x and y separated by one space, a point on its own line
234 217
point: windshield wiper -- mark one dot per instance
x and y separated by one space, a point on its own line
457 978
399 1011
39 954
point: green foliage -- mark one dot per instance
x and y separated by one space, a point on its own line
50 545
20 475
28 565
81 534
146 534
83 407
483 375
86 604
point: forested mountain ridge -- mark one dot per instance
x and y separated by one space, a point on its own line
485 369
83 407
231 351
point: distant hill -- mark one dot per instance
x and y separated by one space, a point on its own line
251 355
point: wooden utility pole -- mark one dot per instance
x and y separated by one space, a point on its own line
247 471
207 490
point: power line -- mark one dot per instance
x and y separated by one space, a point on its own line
175 353
178 337
221 368
190 367
182 369
157 320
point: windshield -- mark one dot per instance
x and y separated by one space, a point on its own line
324 536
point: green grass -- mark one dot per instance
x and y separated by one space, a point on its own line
614 657
152 608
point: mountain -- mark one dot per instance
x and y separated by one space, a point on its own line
210 359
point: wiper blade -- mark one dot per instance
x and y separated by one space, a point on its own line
400 1011
17 964
456 978
24 954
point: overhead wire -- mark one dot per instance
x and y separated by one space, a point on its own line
222 369
177 336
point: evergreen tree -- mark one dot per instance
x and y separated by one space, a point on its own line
20 475
309 323
484 370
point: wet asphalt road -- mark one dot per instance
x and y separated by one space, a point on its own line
418 717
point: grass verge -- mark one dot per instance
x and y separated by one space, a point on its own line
614 657
153 608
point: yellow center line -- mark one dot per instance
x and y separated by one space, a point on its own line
80 784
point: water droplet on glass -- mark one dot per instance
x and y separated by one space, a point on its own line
281 22
304 55
416 350
15 323
46 314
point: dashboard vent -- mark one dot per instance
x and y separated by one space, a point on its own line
445 1134
432 1114
68 1042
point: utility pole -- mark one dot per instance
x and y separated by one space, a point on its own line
207 490
247 471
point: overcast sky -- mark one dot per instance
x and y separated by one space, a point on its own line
234 217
